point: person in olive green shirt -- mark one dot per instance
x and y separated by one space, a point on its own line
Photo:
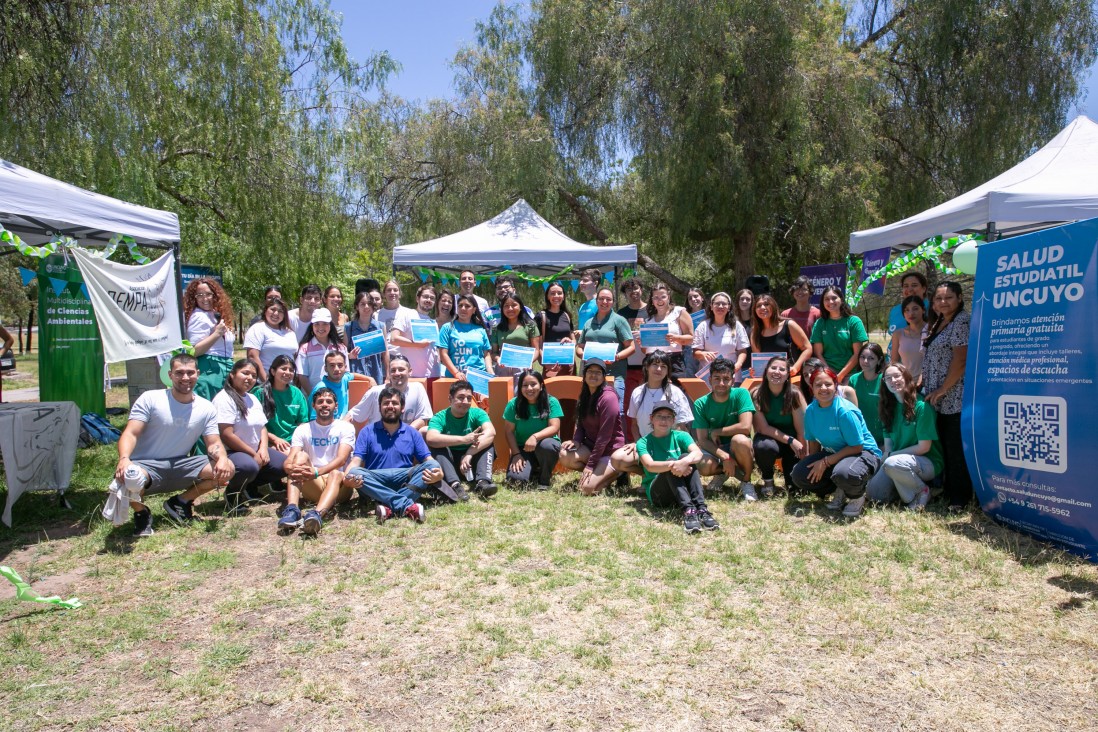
531 422
912 453
606 326
283 403
670 458
722 426
838 335
461 438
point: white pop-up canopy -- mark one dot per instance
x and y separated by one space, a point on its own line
37 207
518 238
1057 184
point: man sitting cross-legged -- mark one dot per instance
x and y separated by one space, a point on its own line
318 452
461 438
722 426
156 444
391 462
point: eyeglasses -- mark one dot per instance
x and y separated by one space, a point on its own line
203 294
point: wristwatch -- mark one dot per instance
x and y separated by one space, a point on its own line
789 439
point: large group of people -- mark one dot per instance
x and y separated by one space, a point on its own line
846 419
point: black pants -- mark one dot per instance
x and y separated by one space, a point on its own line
958 482
544 458
669 490
768 451
449 461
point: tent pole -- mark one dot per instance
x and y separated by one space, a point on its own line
177 251
991 234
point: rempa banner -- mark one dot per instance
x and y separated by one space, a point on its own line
136 306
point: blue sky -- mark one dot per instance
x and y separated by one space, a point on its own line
424 35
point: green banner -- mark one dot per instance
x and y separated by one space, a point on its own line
70 354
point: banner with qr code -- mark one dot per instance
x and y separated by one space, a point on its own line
1029 395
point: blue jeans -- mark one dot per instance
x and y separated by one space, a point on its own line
396 488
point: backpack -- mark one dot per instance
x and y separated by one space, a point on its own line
96 430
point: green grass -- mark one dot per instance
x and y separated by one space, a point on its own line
544 610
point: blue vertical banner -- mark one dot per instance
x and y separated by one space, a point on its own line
822 275
1028 418
871 262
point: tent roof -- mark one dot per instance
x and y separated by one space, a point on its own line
518 238
1056 184
36 207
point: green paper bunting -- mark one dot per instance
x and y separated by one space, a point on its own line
24 592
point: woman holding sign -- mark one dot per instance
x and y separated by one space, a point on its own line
418 341
608 337
463 343
516 328
678 324
771 333
555 324
375 366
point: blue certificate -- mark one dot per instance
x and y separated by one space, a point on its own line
478 380
370 344
697 317
516 357
654 335
605 351
424 330
759 361
554 354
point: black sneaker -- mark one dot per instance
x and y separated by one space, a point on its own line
181 512
143 523
447 491
707 521
487 488
690 523
459 491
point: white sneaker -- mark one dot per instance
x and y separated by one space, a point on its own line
837 500
716 482
747 490
854 507
918 503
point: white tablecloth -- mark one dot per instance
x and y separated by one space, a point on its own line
38 442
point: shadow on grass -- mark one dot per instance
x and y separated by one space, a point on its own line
1077 585
1026 550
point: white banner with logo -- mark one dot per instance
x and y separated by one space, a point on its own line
137 306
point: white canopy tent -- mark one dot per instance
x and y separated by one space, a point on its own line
518 238
1055 185
37 207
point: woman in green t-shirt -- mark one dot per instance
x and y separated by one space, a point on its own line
779 423
517 328
283 403
838 335
531 423
912 453
867 385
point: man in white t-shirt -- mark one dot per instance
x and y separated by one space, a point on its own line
417 406
300 317
319 450
467 282
393 310
155 446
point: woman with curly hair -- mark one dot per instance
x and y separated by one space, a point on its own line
208 312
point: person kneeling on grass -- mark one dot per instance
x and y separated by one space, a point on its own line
531 422
461 438
670 460
391 463
154 448
842 454
318 452
722 425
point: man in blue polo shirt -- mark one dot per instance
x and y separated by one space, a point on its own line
391 462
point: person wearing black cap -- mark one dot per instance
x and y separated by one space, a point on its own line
598 431
670 460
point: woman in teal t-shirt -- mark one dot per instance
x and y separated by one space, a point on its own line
867 385
463 342
912 453
838 335
531 423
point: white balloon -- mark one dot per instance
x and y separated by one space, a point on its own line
964 257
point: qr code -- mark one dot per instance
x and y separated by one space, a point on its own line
1033 432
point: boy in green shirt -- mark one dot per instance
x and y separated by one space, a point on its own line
461 438
722 425
670 458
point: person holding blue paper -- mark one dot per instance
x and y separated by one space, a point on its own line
680 327
375 366
531 422
421 352
518 329
771 333
555 325
463 343
608 327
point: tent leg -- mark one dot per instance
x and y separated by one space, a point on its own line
990 234
176 250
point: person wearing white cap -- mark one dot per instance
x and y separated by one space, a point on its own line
319 338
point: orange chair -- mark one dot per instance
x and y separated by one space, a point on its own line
500 391
695 388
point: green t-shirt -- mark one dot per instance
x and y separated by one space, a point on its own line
709 414
773 413
291 410
905 434
448 424
869 395
615 329
669 447
526 427
838 336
